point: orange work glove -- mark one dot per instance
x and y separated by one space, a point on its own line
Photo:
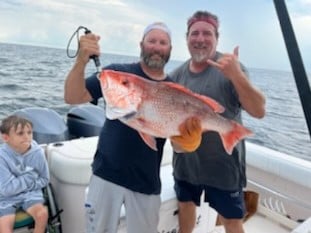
190 135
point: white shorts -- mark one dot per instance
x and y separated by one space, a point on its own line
103 206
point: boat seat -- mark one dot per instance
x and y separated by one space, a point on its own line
23 219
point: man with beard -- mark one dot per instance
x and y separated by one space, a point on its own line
125 169
209 168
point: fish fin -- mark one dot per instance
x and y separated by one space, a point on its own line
149 140
231 138
217 107
114 113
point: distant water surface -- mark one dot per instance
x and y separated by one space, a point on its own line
34 76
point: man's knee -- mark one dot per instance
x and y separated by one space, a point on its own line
186 205
187 210
186 216
232 225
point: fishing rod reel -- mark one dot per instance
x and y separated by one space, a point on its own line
95 58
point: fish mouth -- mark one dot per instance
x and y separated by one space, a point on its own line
129 115
113 113
103 80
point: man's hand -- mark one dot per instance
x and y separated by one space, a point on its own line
190 136
89 45
229 64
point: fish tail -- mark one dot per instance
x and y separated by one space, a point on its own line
231 138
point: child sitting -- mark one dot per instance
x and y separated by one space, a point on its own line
24 172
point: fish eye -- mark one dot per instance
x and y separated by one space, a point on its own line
125 82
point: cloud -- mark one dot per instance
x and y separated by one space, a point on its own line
120 23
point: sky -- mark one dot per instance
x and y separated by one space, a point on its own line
250 24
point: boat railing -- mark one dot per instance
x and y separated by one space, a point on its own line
281 181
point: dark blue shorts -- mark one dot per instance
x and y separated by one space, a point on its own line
229 204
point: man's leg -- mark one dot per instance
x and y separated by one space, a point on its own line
232 225
230 207
188 196
186 216
142 212
103 206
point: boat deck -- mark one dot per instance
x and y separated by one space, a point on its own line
266 221
259 224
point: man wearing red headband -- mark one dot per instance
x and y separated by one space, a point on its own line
209 168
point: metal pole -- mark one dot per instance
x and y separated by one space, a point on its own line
295 60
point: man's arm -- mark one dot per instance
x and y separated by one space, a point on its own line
75 90
251 99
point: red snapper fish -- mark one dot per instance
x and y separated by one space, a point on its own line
157 109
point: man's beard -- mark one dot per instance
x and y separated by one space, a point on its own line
154 63
200 52
200 57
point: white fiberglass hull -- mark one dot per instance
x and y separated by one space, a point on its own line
283 183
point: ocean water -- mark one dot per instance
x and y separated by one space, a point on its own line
33 76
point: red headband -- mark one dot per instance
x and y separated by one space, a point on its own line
206 19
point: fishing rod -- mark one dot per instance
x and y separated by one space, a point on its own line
95 58
295 60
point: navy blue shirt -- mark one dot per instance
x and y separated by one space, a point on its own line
122 157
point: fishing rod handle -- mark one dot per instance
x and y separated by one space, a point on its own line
95 58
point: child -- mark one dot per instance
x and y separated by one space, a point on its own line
24 172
